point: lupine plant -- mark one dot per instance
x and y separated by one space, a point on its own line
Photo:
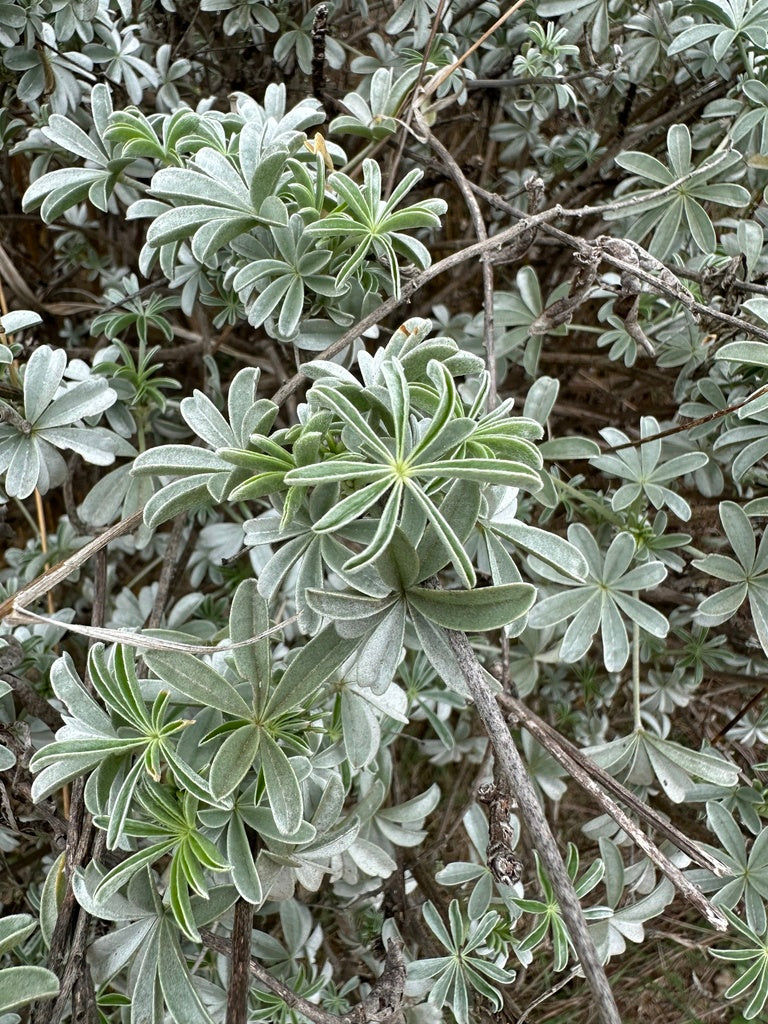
384 601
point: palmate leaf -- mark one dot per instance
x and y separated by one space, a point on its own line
748 577
755 948
644 759
663 214
405 474
597 602
366 221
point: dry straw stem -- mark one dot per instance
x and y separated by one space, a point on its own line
14 610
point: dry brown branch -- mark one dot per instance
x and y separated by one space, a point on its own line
511 766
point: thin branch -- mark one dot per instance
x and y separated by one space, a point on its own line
548 994
740 714
512 768
496 243
702 277
32 702
173 552
681 428
262 975
481 231
675 291
635 200
515 80
411 108
383 993
551 739
435 82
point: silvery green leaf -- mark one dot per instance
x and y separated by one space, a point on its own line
343 605
541 399
380 653
22 985
548 546
249 617
233 759
439 654
181 998
42 377
14 928
19 320
113 951
706 765
725 603
414 810
283 790
179 496
178 460
750 238
66 134
206 421
569 448
24 470
51 898
371 859
197 682
459 873
96 445
309 669
360 729
460 507
739 531
483 609
239 854
647 617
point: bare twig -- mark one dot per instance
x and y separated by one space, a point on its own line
551 739
319 29
681 428
437 80
14 610
670 286
240 955
36 705
436 21
548 994
386 991
170 562
481 231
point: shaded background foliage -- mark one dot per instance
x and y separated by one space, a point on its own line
638 308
